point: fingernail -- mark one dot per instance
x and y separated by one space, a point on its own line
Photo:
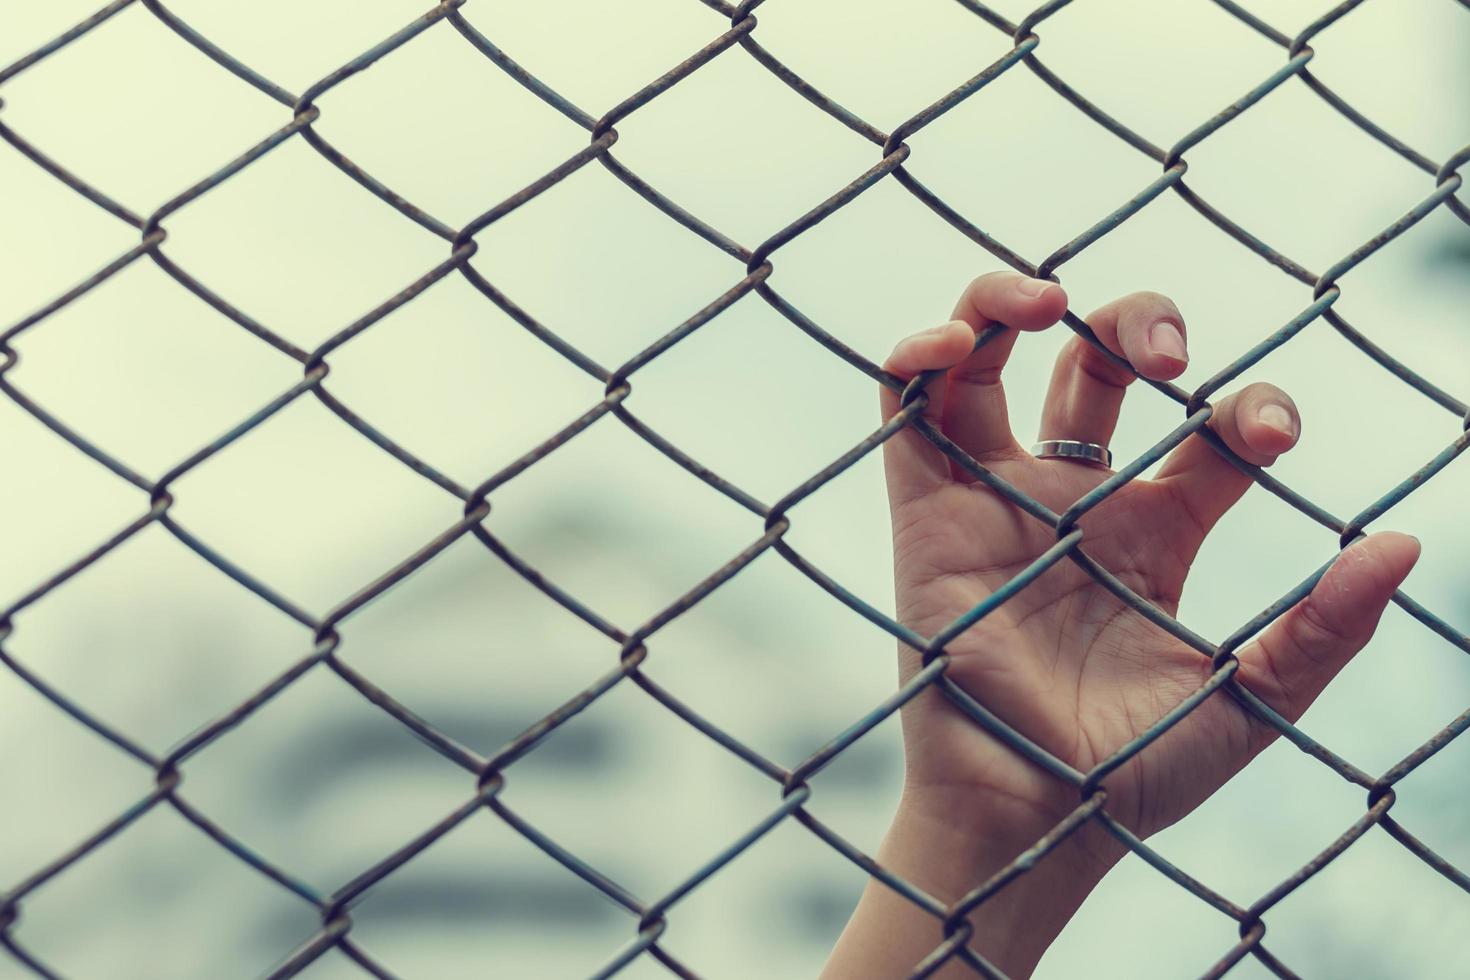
1277 417
1165 339
1032 288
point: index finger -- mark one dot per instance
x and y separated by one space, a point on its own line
975 415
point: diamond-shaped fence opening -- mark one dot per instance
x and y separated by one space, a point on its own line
706 157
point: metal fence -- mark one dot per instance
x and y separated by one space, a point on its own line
487 776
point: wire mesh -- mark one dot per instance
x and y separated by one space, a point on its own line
488 774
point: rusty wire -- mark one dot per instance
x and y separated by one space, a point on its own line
489 774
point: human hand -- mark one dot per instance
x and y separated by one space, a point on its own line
1065 661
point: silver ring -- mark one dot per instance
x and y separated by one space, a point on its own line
1081 452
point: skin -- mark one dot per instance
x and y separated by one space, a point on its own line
1064 661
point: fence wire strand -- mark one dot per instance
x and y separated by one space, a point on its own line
486 787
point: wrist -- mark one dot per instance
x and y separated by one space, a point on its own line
982 830
947 845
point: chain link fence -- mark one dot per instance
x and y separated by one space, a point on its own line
486 776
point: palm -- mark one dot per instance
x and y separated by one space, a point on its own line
1064 661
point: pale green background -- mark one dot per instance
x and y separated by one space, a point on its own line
157 642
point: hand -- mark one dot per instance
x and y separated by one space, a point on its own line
1064 661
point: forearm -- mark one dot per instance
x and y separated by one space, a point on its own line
946 853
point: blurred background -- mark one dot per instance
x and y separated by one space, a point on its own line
157 642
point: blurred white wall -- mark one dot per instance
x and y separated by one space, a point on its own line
157 642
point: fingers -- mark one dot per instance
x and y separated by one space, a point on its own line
913 465
1290 663
1258 423
975 409
1086 390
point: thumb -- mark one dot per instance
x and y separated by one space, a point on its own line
1290 663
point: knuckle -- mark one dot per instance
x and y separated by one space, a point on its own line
985 282
982 375
1271 675
1185 505
1264 391
1082 356
1226 423
1229 413
1149 305
979 296
1150 297
1317 635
